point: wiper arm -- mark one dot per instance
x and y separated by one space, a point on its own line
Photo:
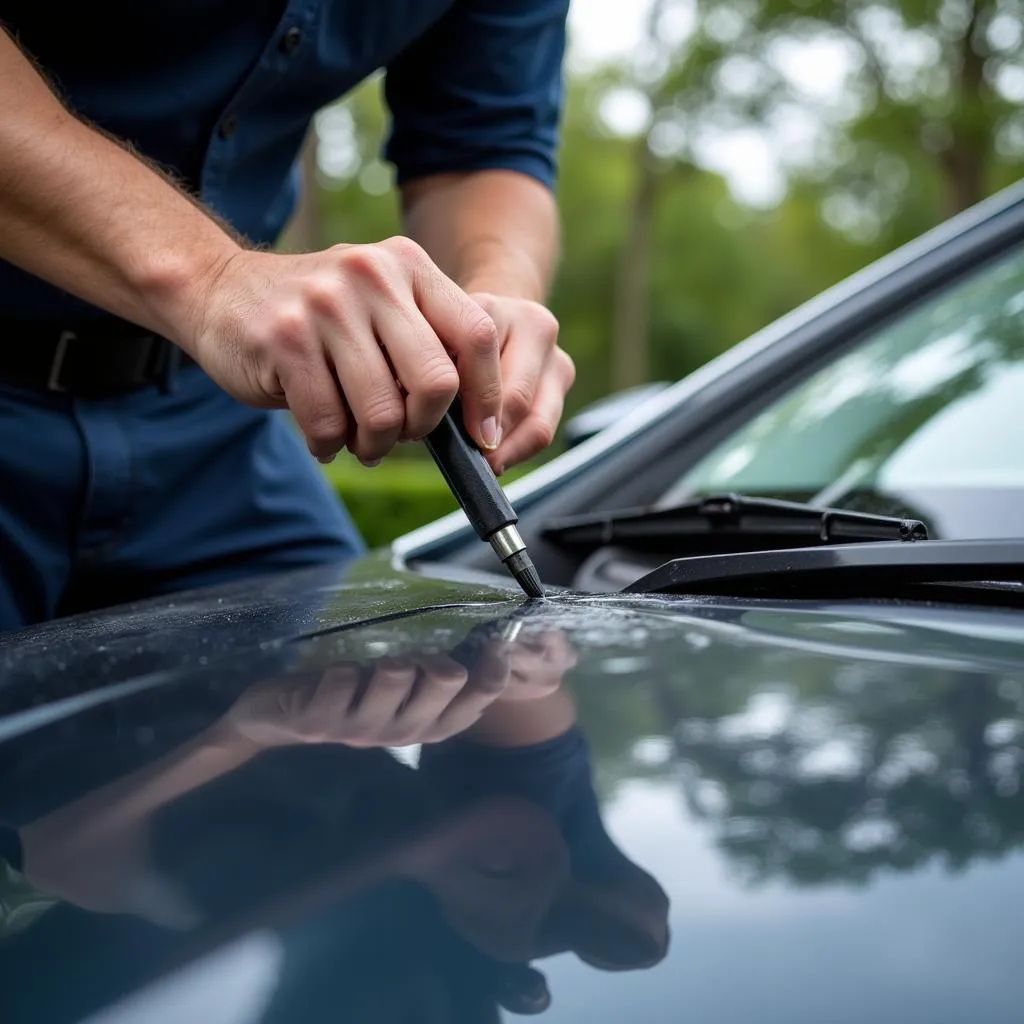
728 523
969 571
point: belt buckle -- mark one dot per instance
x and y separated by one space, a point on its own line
53 381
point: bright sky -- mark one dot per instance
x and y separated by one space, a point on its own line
603 29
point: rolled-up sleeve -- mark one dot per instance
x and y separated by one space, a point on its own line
482 89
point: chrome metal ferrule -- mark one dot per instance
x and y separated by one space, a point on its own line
506 542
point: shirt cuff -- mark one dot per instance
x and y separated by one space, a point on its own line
533 166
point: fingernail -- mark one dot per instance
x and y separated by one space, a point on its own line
490 433
326 460
370 463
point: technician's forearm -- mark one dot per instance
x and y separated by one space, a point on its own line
81 212
490 231
134 797
63 851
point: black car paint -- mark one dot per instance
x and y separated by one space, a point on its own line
826 793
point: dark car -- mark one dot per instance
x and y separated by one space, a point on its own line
757 756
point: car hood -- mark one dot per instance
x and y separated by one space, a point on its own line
720 809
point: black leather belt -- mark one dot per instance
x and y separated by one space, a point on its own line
85 358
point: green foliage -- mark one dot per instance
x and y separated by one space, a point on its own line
361 207
391 499
399 495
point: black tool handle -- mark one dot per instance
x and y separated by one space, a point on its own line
470 478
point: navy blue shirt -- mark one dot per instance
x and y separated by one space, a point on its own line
220 92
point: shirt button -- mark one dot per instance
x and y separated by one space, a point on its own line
228 126
290 40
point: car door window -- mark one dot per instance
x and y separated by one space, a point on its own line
925 417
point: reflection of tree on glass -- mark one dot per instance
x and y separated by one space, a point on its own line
898 415
395 891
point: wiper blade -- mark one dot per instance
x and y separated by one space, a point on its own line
728 523
968 571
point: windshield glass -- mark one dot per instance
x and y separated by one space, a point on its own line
924 419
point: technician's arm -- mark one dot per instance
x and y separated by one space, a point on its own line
64 190
82 212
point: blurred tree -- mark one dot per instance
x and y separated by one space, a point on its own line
630 357
896 107
302 233
358 199
884 117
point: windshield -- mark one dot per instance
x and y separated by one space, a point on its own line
923 419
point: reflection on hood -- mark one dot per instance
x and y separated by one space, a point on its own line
394 889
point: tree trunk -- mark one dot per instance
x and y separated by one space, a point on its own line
964 165
631 341
965 159
302 233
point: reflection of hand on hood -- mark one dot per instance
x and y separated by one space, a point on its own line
391 702
94 851
499 830
399 701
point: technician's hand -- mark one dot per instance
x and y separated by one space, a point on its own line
390 703
365 344
535 377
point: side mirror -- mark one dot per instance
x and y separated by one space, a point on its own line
607 411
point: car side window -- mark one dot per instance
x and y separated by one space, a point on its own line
925 413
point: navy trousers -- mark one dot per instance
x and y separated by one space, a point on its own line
104 501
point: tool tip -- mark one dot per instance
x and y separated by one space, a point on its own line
521 566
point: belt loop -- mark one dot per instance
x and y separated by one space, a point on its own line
172 362
53 380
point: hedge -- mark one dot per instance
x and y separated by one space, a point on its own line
394 497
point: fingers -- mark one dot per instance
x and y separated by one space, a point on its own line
440 682
529 340
486 683
372 394
428 333
537 429
328 333
317 406
336 694
360 368
369 722
423 367
470 336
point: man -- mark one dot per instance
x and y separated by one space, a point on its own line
146 159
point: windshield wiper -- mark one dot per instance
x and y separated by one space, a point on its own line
968 571
728 523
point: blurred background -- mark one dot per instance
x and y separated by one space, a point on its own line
722 162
